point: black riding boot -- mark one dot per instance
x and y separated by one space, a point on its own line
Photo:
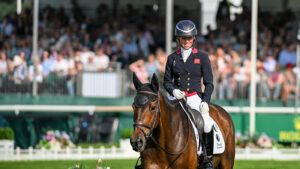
209 145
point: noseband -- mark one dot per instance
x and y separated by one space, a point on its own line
152 126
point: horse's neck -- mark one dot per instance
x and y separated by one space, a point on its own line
173 125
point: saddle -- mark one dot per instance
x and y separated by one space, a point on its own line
198 126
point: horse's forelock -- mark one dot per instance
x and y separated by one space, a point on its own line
145 87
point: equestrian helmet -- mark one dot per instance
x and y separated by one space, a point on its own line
185 28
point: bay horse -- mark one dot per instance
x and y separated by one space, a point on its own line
164 136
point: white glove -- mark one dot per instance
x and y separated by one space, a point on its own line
204 107
178 94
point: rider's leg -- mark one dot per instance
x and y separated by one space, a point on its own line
194 102
208 139
208 144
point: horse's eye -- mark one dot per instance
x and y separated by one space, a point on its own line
152 108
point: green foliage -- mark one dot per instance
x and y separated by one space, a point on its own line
8 7
44 144
6 134
126 133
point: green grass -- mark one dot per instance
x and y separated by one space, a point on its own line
129 164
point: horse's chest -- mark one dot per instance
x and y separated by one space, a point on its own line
154 166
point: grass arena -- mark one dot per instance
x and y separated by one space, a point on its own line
129 164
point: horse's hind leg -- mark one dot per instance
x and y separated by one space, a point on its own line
226 163
227 158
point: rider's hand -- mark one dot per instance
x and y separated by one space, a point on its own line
178 94
204 107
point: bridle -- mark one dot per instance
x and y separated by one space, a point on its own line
152 127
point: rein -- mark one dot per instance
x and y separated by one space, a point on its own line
179 152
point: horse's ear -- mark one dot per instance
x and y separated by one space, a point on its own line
154 83
137 83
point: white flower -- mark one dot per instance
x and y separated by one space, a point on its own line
99 160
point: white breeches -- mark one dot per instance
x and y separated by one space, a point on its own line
194 102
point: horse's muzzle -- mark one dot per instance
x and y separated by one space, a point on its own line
137 144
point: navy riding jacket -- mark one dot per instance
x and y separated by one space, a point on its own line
186 76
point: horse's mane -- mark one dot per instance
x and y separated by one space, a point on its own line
163 94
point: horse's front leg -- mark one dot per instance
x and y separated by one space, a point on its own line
154 164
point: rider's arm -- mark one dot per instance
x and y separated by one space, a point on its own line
207 78
168 77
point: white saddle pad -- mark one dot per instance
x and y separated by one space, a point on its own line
219 143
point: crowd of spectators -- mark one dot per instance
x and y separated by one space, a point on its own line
73 43
229 51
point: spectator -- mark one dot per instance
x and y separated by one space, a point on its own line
6 27
262 83
91 65
101 60
35 71
35 74
162 60
130 48
19 73
289 84
60 66
269 64
275 81
138 67
3 69
3 64
152 65
47 63
288 55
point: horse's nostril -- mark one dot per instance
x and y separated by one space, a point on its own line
137 143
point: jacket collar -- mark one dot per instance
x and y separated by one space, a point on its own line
194 51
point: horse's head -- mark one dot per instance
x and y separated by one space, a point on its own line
146 112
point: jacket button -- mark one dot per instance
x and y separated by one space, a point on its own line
188 78
188 73
187 89
179 78
188 84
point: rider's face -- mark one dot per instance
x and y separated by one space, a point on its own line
186 42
